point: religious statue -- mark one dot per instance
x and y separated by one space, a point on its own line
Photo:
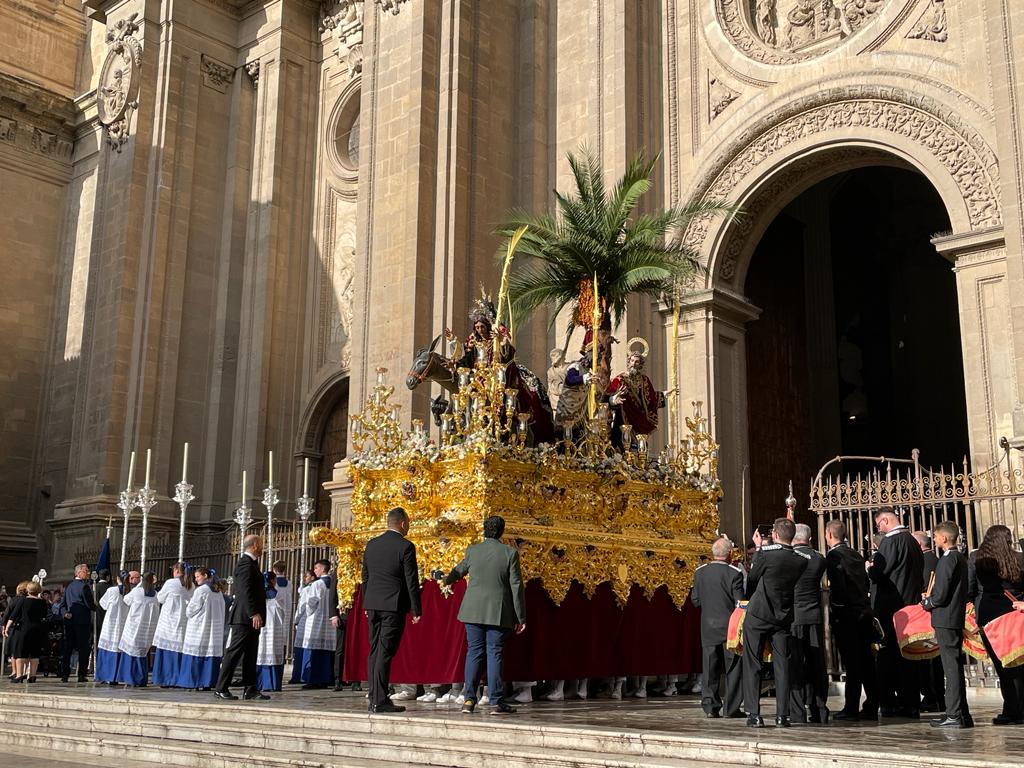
765 21
571 410
480 343
113 93
556 375
633 396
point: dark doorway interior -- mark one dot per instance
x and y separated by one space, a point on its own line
333 448
857 349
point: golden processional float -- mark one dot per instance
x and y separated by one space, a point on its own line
577 510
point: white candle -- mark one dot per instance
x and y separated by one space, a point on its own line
270 471
131 472
243 487
305 476
149 457
184 464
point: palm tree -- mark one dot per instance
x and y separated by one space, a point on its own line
595 232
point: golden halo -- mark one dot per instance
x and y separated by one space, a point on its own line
645 347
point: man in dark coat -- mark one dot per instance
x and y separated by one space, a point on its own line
772 580
717 588
493 607
391 589
809 676
895 569
246 618
947 605
76 607
851 620
931 677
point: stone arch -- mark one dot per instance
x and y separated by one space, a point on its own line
830 130
331 391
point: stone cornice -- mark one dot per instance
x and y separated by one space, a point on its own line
36 121
967 243
37 100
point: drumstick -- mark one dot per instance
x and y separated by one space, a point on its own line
1010 596
931 583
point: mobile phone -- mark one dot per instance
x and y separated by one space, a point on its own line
765 529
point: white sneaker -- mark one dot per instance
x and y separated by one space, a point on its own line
484 700
555 695
427 698
445 699
697 688
523 696
581 690
640 693
403 696
460 700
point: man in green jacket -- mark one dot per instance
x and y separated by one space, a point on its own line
493 607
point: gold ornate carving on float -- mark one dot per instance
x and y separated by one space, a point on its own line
577 511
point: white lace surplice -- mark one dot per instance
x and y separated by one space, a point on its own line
170 630
113 621
315 631
143 614
204 633
272 636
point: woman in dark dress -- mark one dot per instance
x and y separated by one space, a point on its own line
994 570
27 640
7 627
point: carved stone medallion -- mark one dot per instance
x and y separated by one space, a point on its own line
791 31
118 86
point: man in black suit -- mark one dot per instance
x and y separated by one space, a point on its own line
246 618
338 621
851 620
931 677
895 569
947 605
717 588
76 607
809 676
772 580
391 589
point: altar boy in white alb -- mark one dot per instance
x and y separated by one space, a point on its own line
270 659
316 635
139 629
204 636
108 654
170 630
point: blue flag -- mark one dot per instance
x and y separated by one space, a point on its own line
103 561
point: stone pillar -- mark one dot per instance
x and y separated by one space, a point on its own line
712 369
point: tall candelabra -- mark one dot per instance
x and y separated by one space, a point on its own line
243 516
305 510
126 503
270 501
184 496
146 501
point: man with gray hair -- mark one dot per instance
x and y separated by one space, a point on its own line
809 692
76 609
717 588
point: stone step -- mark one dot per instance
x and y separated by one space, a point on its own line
329 747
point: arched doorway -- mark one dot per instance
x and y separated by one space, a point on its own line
332 446
857 348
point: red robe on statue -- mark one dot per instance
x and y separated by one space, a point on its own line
640 401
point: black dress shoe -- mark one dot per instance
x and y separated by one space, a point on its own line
313 686
782 722
388 708
226 695
1005 719
63 679
254 693
842 714
502 709
712 714
739 713
755 721
946 722
338 687
967 721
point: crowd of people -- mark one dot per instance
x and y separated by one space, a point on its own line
198 635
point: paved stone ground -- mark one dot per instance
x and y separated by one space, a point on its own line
680 715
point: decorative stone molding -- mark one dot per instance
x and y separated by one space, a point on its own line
720 96
35 121
252 69
118 86
970 162
391 5
341 21
931 24
774 32
216 74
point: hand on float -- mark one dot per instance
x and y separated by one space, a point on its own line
520 628
587 377
415 619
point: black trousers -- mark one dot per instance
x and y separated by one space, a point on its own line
931 683
77 637
853 630
807 672
756 635
897 676
339 651
244 648
951 651
386 628
718 662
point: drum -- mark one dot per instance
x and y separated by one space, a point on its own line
734 634
1006 636
914 633
973 646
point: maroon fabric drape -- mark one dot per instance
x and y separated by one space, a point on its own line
579 638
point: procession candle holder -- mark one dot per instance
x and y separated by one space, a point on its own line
183 496
523 427
126 503
500 375
243 517
627 438
481 355
463 377
641 449
270 500
145 502
304 507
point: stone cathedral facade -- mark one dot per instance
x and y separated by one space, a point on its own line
218 217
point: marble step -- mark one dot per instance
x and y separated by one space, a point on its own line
145 733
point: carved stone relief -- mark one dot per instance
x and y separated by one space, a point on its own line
969 161
118 86
720 96
338 283
391 5
252 69
216 74
791 31
931 25
341 21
